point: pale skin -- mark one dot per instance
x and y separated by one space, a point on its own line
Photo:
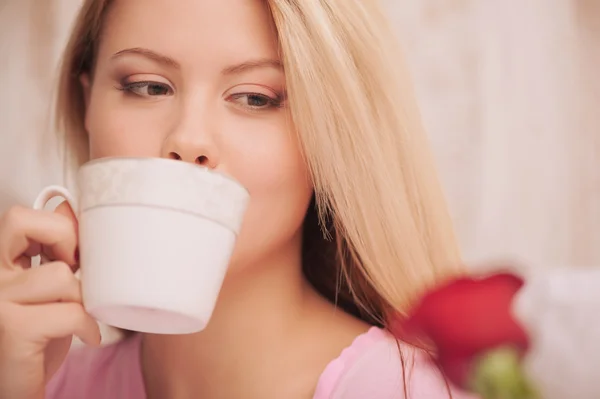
217 98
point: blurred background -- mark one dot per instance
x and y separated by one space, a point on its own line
509 92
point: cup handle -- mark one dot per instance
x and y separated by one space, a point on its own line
42 200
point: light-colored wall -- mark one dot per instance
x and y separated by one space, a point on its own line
32 34
508 91
510 96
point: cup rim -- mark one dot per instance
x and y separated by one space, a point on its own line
164 160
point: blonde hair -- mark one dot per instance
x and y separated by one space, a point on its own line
379 232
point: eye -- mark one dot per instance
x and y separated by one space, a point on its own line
255 101
147 88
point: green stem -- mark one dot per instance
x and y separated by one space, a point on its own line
498 374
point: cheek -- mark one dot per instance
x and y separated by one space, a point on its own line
270 165
266 158
115 129
275 174
279 190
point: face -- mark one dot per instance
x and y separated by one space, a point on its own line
203 84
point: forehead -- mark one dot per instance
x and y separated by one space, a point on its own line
192 30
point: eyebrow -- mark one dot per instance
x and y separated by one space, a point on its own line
252 64
161 59
229 70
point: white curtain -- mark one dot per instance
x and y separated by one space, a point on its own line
509 92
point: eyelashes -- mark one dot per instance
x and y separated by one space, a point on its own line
146 88
255 101
153 90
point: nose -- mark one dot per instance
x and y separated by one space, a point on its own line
193 147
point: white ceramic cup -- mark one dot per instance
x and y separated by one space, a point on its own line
155 240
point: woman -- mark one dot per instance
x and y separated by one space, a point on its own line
303 102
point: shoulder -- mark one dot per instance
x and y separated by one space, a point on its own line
377 366
109 371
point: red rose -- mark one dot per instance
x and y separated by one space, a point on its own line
465 319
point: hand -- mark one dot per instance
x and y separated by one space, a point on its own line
40 308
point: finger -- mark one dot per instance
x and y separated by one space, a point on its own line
34 249
62 209
51 282
65 209
56 320
20 227
24 261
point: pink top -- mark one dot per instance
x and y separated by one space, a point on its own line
369 368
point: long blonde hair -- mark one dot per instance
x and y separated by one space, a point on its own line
378 232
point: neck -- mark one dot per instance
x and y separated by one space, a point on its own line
258 333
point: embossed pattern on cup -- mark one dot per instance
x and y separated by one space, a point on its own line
163 183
